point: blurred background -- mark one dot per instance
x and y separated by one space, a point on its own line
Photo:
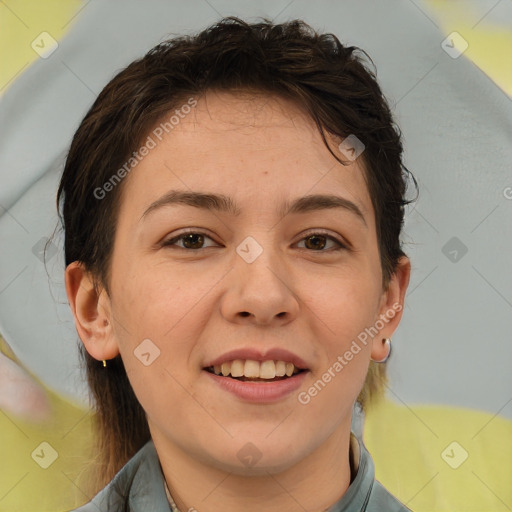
442 438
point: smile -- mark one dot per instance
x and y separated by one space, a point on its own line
257 381
250 370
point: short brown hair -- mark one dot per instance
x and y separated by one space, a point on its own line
329 80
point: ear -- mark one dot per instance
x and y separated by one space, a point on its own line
391 308
92 312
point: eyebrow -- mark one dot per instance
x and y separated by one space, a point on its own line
222 203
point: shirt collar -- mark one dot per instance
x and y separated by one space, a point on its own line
356 497
142 479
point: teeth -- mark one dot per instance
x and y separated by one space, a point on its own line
280 368
237 368
226 369
252 369
256 369
267 370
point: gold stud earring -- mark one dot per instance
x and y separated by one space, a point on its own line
104 363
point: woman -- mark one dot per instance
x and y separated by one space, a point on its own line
232 206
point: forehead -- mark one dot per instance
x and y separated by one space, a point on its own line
253 146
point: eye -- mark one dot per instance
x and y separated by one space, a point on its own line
318 241
193 240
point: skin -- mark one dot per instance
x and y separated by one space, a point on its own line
193 304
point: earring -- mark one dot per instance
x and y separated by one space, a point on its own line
104 363
387 341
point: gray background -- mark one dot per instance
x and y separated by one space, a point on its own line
454 343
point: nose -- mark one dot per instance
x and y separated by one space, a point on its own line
262 291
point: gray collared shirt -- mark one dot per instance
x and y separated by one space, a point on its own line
139 487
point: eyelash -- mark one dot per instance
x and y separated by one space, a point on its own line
171 242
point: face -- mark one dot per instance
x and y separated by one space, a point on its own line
195 284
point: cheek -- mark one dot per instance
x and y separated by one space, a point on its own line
343 312
158 316
153 301
346 304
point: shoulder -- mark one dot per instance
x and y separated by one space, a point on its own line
138 486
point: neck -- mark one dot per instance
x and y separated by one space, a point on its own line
195 485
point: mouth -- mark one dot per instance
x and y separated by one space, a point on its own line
247 370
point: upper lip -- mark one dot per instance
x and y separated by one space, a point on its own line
275 354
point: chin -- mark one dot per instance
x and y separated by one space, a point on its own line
257 458
261 468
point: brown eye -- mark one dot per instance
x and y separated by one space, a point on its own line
191 240
318 241
315 242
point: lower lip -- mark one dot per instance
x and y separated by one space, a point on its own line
260 391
